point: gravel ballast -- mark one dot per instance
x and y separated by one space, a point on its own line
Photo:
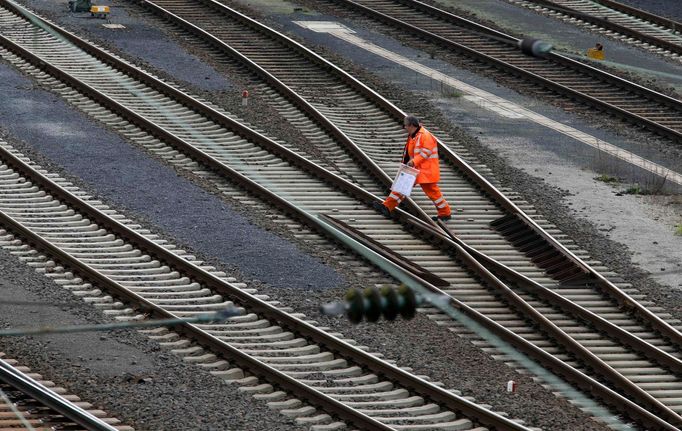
122 372
123 175
667 8
430 341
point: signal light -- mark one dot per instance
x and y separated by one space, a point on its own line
371 303
535 47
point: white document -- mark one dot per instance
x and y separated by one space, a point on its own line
404 180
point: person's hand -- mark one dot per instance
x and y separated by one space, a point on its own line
411 163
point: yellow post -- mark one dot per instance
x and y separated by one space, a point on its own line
99 11
596 54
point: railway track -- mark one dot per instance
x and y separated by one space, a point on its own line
616 20
330 374
290 175
234 36
73 233
42 405
484 48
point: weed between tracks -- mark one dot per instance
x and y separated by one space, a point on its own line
608 179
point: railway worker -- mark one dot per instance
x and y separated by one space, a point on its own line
421 152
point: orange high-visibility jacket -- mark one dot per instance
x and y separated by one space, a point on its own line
423 149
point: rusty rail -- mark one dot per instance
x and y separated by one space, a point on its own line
610 25
424 228
621 297
436 394
26 385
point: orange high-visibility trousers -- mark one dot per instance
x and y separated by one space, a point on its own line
431 190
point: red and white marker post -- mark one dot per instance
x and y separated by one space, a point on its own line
245 98
511 386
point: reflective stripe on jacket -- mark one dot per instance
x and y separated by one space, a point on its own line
422 148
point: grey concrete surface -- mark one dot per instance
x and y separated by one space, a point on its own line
472 116
520 141
667 8
121 372
127 177
139 37
460 366
645 223
572 39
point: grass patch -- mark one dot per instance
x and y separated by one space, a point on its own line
678 229
450 92
608 179
636 190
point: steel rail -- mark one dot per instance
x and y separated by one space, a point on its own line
370 166
243 360
605 326
130 70
610 25
355 151
33 389
254 304
582 67
431 228
419 386
639 13
433 392
456 246
505 66
501 36
466 254
583 381
259 190
621 297
186 100
206 159
251 186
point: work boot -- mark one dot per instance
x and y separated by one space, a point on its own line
441 218
381 209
